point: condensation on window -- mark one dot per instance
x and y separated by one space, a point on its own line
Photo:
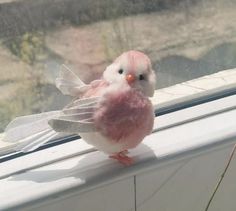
185 39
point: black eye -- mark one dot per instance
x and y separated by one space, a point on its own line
141 77
120 71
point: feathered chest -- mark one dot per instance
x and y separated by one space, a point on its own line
121 114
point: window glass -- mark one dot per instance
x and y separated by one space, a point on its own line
185 39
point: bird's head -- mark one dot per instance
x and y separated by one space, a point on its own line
134 69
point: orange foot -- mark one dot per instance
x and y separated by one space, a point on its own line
123 158
125 152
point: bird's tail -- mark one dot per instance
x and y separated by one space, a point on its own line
31 131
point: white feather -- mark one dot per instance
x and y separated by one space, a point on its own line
84 102
26 126
69 83
35 143
69 75
19 121
72 127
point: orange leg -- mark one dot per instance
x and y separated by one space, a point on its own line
123 158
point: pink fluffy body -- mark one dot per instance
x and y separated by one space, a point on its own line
124 115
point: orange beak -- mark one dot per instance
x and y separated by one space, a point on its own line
130 78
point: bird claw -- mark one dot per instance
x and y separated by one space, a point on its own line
123 158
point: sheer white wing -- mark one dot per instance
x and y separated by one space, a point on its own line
24 120
69 83
31 131
26 126
37 140
77 117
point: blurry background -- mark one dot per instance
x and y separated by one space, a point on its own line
185 39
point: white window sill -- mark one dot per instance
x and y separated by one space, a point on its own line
46 177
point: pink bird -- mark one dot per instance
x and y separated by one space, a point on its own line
113 113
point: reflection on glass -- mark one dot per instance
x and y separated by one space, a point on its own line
185 39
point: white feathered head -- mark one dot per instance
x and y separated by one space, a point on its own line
133 68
